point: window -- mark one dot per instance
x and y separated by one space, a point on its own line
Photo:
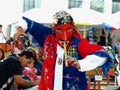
97 5
115 6
29 4
75 4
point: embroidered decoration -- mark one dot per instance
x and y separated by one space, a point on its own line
72 51
59 61
62 17
48 50
71 82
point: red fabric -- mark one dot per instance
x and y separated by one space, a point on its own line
85 48
63 32
47 75
113 28
31 72
87 87
18 44
48 65
111 73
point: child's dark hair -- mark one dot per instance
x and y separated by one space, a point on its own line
34 52
28 54
0 25
3 53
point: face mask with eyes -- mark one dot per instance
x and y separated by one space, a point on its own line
63 33
63 27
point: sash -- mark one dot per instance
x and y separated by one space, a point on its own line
59 69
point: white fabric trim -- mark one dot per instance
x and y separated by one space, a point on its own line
7 83
58 69
91 62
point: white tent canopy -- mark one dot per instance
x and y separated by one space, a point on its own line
113 20
79 15
41 15
86 15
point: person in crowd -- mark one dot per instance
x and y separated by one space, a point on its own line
31 72
117 45
66 54
118 66
102 41
2 54
2 36
10 70
40 54
37 63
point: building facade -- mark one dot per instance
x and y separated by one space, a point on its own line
103 6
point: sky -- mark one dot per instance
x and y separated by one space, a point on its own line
8 10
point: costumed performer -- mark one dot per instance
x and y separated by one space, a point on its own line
66 54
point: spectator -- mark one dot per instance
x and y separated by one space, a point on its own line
118 66
9 70
2 36
37 63
32 71
102 41
117 45
40 54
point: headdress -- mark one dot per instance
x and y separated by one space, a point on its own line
62 17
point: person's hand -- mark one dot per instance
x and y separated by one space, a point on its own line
19 31
36 82
72 62
38 77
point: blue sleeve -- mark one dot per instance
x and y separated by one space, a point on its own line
37 30
110 60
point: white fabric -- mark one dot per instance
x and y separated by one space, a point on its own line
117 68
58 69
117 45
16 51
23 24
118 79
7 83
91 62
2 39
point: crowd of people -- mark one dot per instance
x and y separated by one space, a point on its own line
21 69
64 56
